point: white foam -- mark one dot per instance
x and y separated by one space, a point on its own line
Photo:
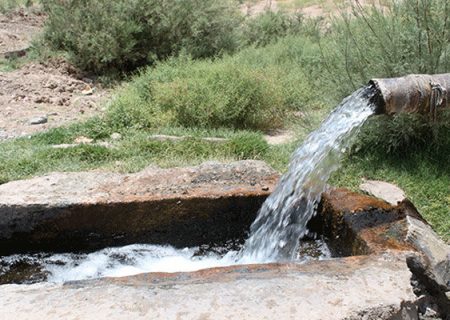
131 260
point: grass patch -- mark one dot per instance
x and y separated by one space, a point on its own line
27 157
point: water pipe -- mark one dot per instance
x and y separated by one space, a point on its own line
416 93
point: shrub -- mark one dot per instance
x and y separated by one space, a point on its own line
409 36
207 94
270 26
254 89
102 35
406 134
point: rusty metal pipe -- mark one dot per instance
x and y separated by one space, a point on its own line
416 93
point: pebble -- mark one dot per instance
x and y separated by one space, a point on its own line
116 136
38 120
88 92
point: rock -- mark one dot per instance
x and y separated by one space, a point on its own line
358 224
163 137
39 120
88 92
279 137
92 210
435 250
65 145
3 135
383 190
347 288
116 136
83 140
41 99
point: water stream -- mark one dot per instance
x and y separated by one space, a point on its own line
282 219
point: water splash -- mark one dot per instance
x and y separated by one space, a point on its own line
282 219
130 260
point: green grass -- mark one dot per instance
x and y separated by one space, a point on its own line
27 157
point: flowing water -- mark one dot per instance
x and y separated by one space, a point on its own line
282 219
275 234
130 260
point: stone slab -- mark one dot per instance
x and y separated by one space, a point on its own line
90 210
383 190
376 287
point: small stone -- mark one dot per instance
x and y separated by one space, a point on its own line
88 92
383 190
87 80
116 136
83 140
38 120
265 188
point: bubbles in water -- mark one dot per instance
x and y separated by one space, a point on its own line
127 261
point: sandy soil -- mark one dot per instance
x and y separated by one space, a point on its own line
18 29
321 8
54 90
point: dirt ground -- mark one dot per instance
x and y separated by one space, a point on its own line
53 92
17 30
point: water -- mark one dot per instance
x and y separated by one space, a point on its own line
282 219
130 260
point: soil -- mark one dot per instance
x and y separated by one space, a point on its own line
54 90
18 28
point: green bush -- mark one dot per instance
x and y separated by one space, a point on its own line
102 35
409 36
206 94
405 134
256 88
270 26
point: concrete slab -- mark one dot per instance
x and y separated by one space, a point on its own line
91 210
376 287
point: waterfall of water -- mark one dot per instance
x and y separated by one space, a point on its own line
282 219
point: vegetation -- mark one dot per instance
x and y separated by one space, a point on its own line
205 70
403 37
9 5
254 89
104 36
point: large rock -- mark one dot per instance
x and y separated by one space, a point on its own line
359 224
376 287
90 210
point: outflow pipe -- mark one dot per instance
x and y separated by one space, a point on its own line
416 93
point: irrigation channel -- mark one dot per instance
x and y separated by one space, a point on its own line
274 235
